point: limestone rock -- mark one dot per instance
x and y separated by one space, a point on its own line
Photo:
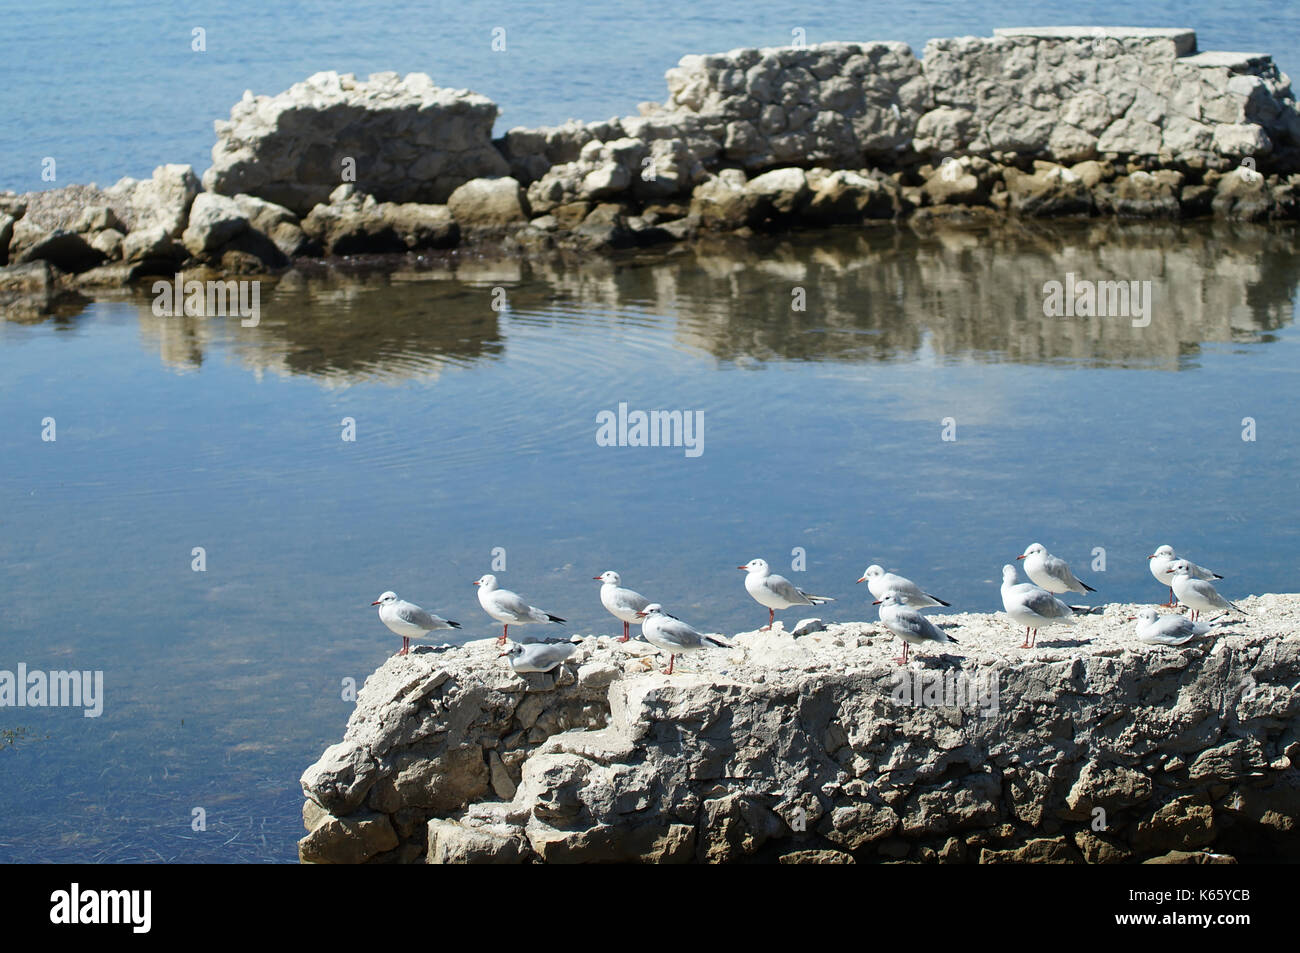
214 220
489 202
404 139
347 840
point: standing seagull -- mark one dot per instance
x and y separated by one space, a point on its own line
775 592
1030 606
507 607
1167 629
1050 573
407 619
908 624
670 634
1199 595
538 657
1162 561
623 604
881 582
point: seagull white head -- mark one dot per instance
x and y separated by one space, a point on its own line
511 652
1164 552
1034 549
385 599
872 572
487 581
651 609
755 565
1181 568
1147 614
609 578
1008 575
891 598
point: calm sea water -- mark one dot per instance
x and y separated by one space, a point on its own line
116 89
475 429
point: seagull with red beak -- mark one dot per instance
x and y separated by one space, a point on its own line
508 607
775 592
623 604
408 620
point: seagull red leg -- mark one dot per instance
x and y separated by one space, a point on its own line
505 632
626 636
671 660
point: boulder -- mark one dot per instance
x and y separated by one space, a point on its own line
399 139
1141 195
722 202
214 221
498 201
1047 192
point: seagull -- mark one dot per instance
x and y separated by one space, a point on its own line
1198 595
507 607
1167 629
775 592
1050 573
623 604
1030 606
670 634
539 656
908 624
407 619
881 582
1161 561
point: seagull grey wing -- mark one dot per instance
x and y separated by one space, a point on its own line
1043 603
414 615
679 633
787 590
633 601
510 602
1200 572
549 655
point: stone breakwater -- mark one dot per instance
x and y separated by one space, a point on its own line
1063 121
1092 748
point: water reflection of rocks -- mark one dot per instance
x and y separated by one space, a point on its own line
872 295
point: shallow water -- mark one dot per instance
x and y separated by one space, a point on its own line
476 429
116 89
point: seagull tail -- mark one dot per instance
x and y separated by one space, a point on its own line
554 618
1238 608
454 625
1088 610
938 600
817 600
1086 586
952 640
718 641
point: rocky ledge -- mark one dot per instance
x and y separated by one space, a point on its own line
819 748
1061 121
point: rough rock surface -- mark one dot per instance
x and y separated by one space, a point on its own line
410 141
1093 747
1069 93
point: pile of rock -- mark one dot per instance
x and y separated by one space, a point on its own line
1036 122
821 749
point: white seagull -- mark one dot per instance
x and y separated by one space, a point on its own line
1050 573
1167 629
881 582
407 619
507 607
775 592
908 624
1162 561
539 656
1030 606
670 634
1199 595
623 604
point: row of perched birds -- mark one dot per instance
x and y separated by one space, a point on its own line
1033 605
